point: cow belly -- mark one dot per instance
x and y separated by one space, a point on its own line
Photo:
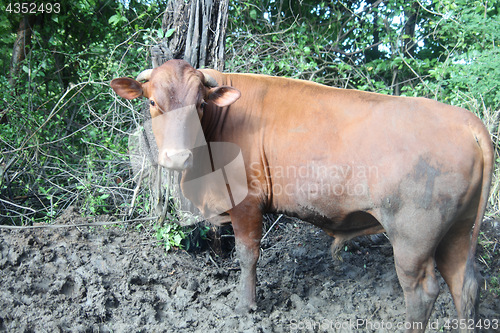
334 197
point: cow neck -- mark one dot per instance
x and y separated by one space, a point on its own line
212 121
214 116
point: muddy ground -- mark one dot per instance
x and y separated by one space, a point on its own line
116 279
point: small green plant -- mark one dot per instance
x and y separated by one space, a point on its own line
170 235
194 235
94 201
204 230
495 285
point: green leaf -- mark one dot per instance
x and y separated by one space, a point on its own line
117 18
114 19
169 32
253 14
159 33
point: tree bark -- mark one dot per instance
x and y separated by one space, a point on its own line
409 30
21 46
374 53
199 36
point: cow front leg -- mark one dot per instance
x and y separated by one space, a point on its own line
247 226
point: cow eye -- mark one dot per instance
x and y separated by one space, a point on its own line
152 103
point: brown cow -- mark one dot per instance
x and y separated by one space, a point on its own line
351 162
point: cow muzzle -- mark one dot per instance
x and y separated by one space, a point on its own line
177 160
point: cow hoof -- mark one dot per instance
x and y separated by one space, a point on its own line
244 308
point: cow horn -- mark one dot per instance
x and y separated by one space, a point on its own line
144 75
209 81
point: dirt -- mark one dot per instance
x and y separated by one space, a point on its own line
117 279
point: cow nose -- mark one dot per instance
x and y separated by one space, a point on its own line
176 160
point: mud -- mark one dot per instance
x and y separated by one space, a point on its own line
117 279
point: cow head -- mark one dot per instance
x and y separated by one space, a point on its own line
177 95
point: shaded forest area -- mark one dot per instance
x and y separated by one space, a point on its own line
64 135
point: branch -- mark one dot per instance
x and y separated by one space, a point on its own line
349 54
17 206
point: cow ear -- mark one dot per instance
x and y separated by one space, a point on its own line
224 95
127 88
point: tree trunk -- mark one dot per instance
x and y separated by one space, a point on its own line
20 47
409 30
199 33
408 47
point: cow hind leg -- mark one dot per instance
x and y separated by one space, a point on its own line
458 269
416 273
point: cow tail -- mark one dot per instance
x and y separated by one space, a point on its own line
470 289
484 141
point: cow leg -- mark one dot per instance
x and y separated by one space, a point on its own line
459 272
416 273
247 226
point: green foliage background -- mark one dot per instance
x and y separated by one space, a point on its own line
65 142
